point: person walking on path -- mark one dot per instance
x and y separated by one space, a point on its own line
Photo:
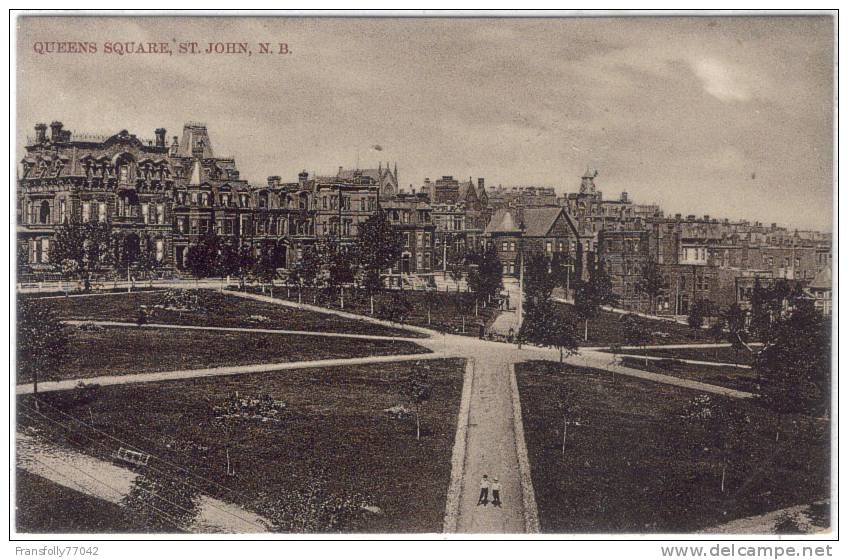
484 491
496 493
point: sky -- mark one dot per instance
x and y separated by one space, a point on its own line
726 116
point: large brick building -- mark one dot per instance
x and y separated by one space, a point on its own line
163 198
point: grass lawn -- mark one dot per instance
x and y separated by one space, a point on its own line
724 376
607 329
444 315
634 465
333 423
44 506
128 350
215 309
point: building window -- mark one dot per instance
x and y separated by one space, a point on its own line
549 246
86 211
101 212
45 250
44 212
160 250
504 246
512 245
145 212
63 213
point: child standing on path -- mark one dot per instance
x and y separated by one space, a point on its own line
496 493
484 491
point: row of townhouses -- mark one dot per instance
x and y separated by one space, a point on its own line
164 196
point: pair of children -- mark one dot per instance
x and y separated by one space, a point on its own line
484 491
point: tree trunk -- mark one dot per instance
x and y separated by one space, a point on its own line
723 472
417 423
463 324
341 297
586 330
564 432
560 355
428 316
35 390
372 305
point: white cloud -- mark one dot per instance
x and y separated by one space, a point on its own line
721 80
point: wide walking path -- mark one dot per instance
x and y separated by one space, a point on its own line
112 483
491 450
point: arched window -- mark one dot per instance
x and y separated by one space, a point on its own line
44 212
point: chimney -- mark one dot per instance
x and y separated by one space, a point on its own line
55 130
426 180
274 181
481 183
175 147
160 137
40 133
303 176
340 172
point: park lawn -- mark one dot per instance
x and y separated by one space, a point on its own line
131 350
608 329
722 354
333 428
215 309
724 376
42 506
634 465
444 314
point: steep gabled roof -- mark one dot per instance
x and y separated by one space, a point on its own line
823 280
502 222
539 221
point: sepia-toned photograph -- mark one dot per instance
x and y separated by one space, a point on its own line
486 275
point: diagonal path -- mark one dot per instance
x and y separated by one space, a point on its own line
243 330
67 384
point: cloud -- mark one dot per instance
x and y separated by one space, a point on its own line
721 80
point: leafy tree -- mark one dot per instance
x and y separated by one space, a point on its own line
718 425
463 304
397 309
652 283
165 503
41 341
566 405
82 248
431 298
716 331
418 391
308 267
591 294
544 326
698 313
313 507
794 365
235 260
147 262
380 246
539 279
456 266
734 316
265 266
634 331
486 274
205 258
22 259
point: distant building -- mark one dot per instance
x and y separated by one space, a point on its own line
820 290
523 231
